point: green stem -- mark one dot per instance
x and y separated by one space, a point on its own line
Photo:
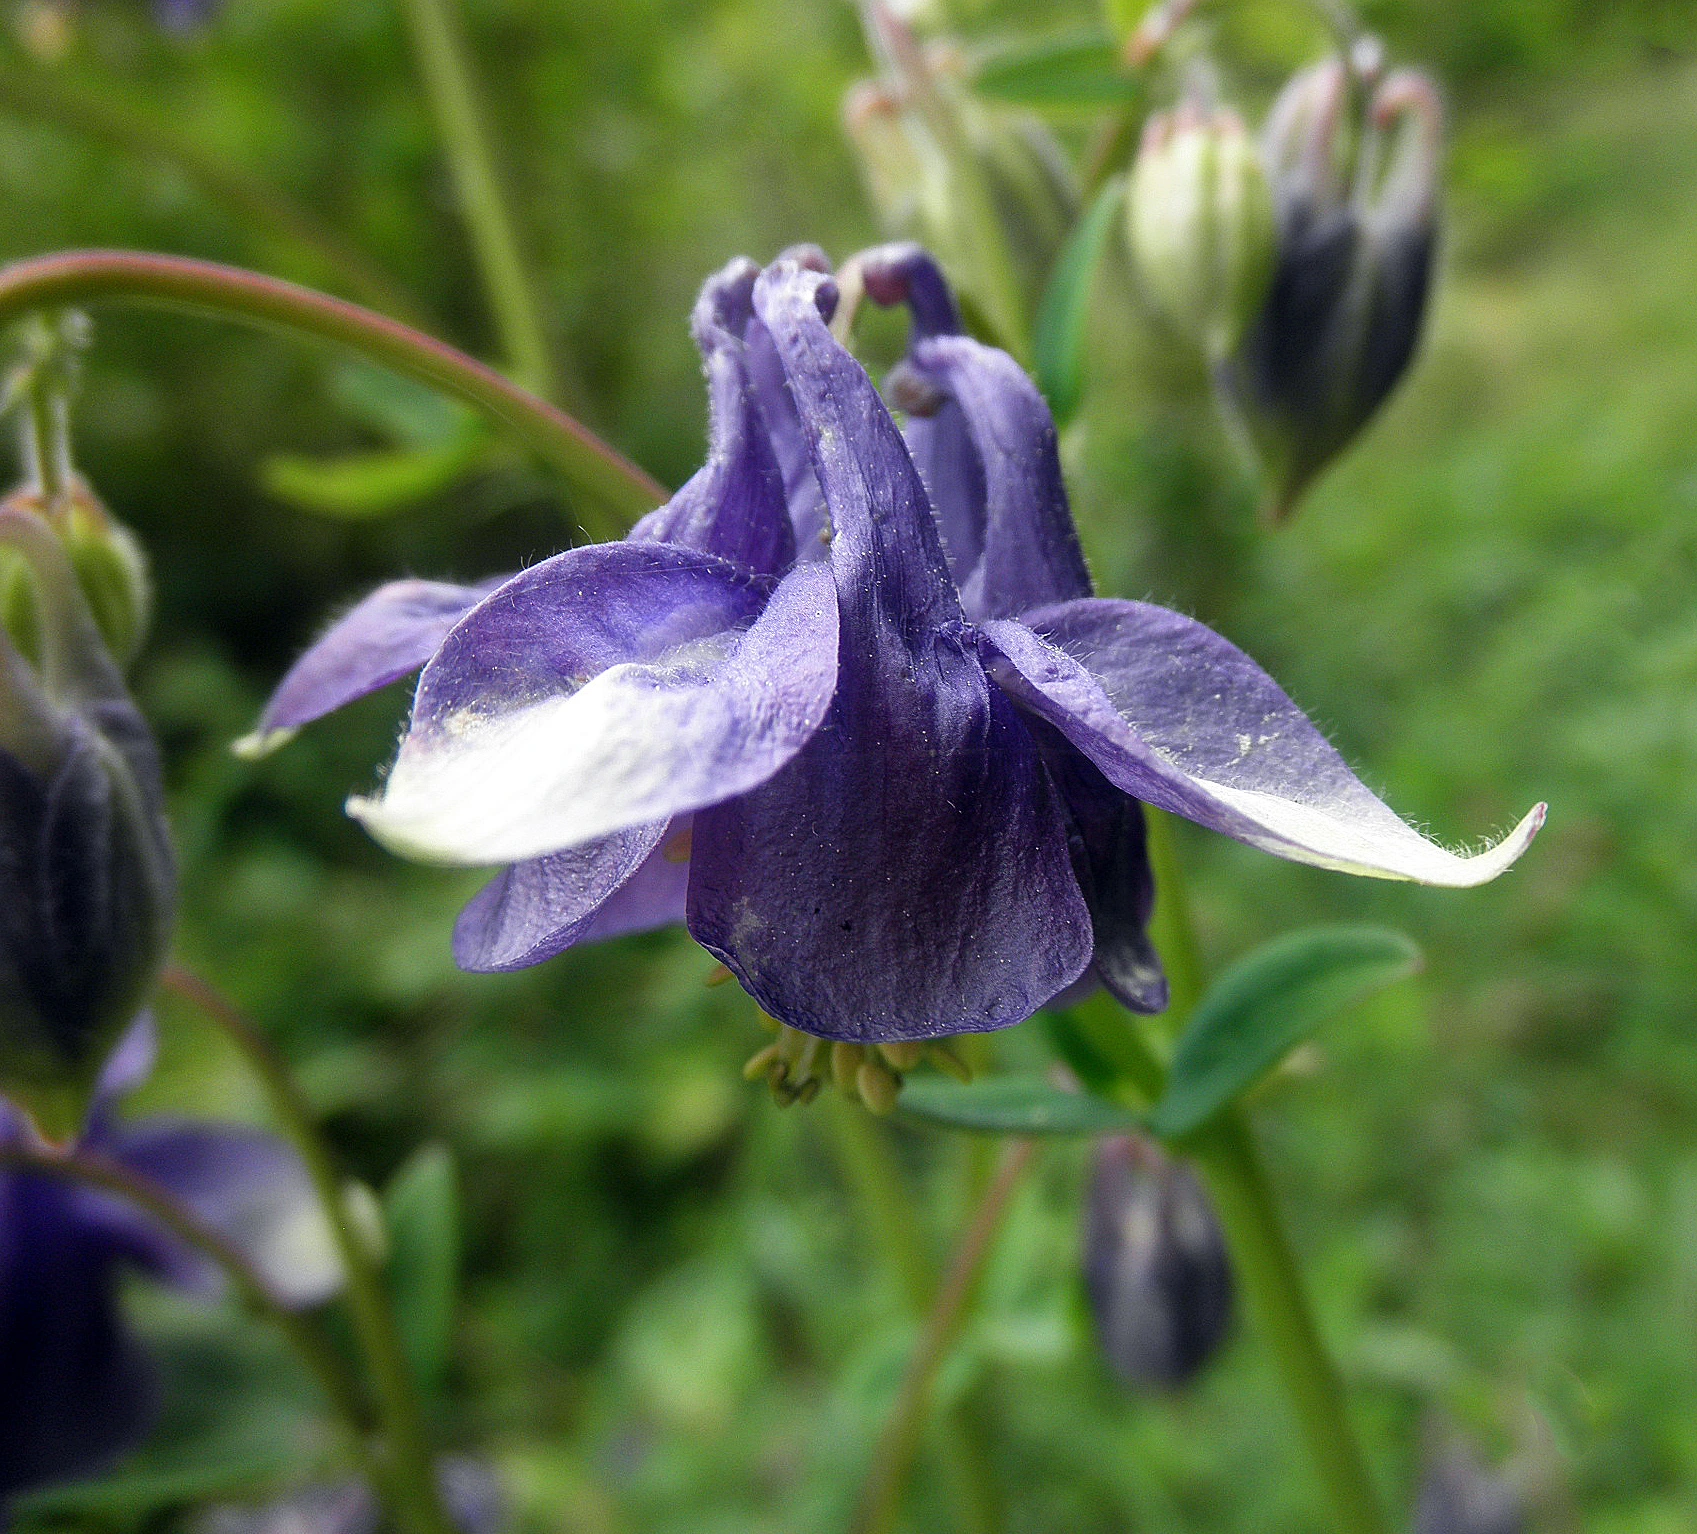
1261 1253
869 1167
1171 928
412 1479
109 116
899 1441
46 437
1267 1268
299 1331
461 121
80 277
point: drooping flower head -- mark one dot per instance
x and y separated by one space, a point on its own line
76 1387
846 706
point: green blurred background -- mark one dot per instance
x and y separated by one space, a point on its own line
674 1318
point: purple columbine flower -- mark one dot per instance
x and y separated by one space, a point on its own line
865 674
76 1388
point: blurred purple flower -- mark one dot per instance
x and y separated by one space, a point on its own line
1156 1268
470 1494
185 15
76 1388
1459 1496
866 677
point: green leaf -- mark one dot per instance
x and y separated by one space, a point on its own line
1081 70
1267 1003
128 1494
1064 314
1098 1041
421 1211
1012 1105
398 407
375 484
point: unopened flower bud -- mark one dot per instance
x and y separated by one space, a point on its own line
87 880
988 189
1357 228
1155 1265
1200 217
112 570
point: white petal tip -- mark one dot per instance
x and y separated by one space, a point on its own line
261 743
1465 872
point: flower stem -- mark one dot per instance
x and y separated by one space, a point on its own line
610 480
462 123
899 1440
1261 1252
107 115
862 1148
1262 1255
299 1331
886 1211
412 1478
45 417
1171 928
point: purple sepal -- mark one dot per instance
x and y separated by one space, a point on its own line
533 910
386 636
1182 719
604 689
1110 855
248 1186
735 506
76 1389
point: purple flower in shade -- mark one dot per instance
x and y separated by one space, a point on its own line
76 1388
866 676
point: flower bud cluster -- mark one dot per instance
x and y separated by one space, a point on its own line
1301 265
87 878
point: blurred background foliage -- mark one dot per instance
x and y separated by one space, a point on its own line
674 1318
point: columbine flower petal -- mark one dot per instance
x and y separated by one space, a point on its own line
607 688
735 506
390 634
536 909
1110 855
985 445
1181 718
907 874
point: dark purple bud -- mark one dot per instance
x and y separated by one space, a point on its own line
1458 1496
1155 1265
87 880
1357 229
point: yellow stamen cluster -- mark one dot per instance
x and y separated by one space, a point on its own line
795 1066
